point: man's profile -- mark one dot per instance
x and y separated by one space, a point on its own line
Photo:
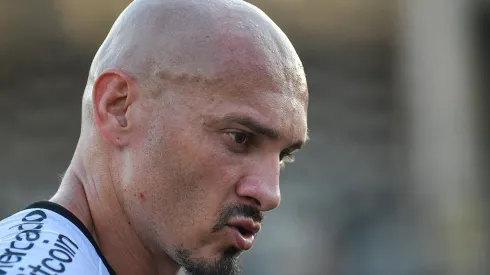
190 109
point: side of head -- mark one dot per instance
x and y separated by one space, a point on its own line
191 108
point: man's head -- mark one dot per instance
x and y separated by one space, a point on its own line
190 109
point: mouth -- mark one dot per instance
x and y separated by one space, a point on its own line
244 231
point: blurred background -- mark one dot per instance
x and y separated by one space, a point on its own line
395 178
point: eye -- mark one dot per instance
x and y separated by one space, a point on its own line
240 137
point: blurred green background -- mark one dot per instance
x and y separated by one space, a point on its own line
394 180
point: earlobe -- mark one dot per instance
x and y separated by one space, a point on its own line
111 100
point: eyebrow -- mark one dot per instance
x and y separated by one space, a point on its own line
260 128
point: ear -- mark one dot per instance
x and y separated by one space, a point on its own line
112 95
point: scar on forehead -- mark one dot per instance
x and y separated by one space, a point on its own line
186 78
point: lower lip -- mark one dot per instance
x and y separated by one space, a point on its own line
242 242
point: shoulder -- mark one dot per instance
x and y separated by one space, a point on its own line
44 239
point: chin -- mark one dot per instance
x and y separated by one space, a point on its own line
225 264
231 251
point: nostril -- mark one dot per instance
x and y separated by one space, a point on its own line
254 201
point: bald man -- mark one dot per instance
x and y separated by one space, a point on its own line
190 110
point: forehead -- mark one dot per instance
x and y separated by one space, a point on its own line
283 111
256 74
251 87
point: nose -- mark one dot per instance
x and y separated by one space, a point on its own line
261 184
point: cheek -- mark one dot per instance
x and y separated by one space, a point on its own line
183 179
188 177
201 178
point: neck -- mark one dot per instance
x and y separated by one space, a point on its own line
96 205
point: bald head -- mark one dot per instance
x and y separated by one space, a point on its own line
190 110
173 41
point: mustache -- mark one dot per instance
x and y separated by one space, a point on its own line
237 210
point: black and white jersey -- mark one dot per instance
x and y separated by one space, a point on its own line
47 239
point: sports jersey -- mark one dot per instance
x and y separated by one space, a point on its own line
47 239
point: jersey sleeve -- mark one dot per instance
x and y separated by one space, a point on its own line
36 241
